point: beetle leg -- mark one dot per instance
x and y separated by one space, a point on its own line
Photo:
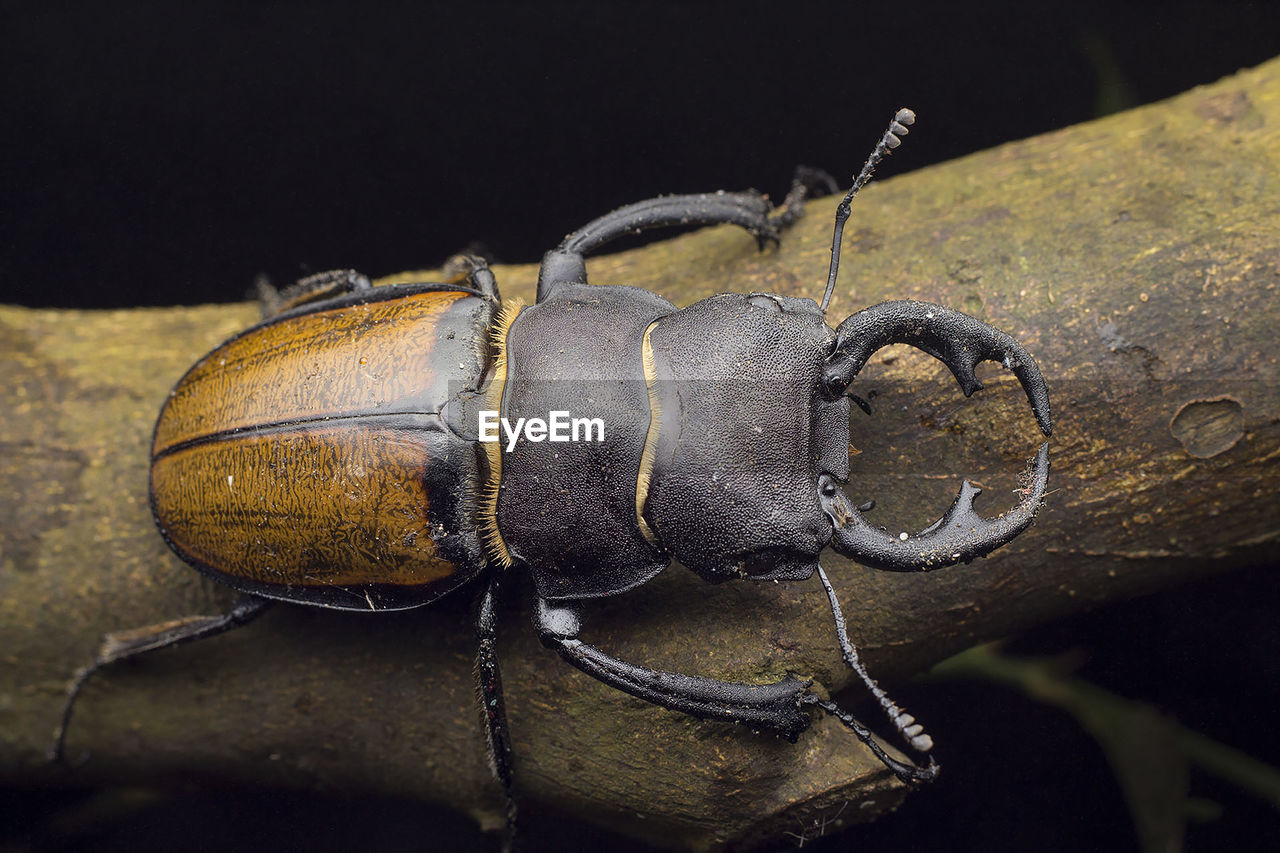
474 270
462 273
489 682
313 288
806 183
777 707
120 645
748 210
769 707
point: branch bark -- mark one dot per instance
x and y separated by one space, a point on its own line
1138 257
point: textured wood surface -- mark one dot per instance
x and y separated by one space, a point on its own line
1138 257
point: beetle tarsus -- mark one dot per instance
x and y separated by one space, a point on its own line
313 288
807 183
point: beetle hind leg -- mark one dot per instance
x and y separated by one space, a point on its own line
472 269
119 645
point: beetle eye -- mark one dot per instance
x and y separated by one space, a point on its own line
833 385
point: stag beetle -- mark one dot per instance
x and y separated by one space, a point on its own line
332 455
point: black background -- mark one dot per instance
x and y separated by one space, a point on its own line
162 153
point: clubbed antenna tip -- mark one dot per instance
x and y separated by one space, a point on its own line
898 128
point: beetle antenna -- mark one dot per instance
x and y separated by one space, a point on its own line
907 772
862 404
904 722
898 128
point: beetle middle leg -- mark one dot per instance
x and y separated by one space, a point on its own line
489 682
313 288
119 645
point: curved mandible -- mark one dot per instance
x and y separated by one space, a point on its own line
957 340
960 342
958 537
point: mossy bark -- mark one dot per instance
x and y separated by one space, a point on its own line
1138 258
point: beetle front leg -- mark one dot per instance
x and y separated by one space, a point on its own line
768 707
748 210
807 183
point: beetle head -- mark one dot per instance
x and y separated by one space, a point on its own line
752 448
960 342
754 430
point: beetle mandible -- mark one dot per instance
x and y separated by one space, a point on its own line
348 422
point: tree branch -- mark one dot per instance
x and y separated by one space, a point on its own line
1135 256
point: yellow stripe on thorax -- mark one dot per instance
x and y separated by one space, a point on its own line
493 449
645 475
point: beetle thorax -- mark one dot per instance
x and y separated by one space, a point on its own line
714 438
